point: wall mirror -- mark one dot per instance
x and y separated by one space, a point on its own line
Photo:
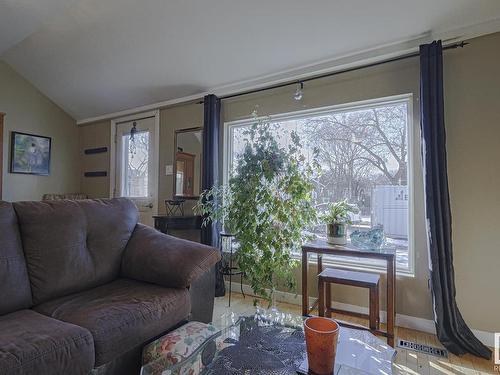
187 163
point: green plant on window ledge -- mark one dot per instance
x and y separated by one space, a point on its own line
266 204
336 218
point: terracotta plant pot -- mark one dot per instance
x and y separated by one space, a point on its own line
321 340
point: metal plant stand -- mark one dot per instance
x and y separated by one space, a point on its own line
228 269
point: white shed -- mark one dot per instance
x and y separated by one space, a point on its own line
390 209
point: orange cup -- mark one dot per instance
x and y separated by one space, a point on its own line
321 340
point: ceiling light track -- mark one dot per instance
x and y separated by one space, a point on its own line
300 83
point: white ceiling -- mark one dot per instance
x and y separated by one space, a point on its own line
94 57
20 18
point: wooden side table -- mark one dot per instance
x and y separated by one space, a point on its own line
165 223
321 248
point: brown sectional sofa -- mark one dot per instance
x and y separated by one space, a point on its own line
83 286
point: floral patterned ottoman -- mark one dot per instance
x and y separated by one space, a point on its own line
176 346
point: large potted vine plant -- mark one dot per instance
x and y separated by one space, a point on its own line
266 204
336 218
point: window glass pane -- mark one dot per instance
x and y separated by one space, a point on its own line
363 155
135 165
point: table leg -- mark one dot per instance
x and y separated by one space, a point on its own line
328 300
321 296
305 302
373 310
328 289
391 315
321 293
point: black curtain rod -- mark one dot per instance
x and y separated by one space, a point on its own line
298 81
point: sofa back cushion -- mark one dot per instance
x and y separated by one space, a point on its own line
15 292
71 246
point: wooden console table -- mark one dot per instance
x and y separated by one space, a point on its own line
321 248
164 223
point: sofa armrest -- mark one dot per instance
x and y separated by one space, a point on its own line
157 258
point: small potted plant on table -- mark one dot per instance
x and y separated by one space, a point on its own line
336 218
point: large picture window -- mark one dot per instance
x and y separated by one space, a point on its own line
364 154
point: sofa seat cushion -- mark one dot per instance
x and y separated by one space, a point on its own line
121 315
31 343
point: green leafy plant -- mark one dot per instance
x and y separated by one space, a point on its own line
266 204
215 205
339 213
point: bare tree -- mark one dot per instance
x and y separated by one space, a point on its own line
357 148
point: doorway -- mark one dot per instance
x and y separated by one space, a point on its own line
135 161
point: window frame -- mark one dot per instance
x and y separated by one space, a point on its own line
359 264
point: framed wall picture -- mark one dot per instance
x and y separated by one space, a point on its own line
30 154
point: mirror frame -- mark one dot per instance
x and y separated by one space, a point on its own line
174 185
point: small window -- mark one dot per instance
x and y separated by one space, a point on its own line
364 155
135 165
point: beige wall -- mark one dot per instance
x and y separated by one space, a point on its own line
472 104
98 135
27 110
172 119
93 136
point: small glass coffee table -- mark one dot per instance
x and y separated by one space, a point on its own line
263 342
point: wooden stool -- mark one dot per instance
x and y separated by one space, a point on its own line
359 279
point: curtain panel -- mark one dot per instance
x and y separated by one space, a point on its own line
451 328
210 175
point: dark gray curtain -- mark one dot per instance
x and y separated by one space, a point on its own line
210 175
451 328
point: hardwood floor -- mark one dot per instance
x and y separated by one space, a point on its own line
407 361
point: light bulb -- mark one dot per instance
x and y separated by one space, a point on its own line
299 93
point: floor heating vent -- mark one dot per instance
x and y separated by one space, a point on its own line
410 345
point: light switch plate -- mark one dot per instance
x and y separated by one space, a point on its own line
169 170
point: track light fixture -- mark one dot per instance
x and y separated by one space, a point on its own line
299 93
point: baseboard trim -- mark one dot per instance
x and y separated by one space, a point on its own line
405 321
